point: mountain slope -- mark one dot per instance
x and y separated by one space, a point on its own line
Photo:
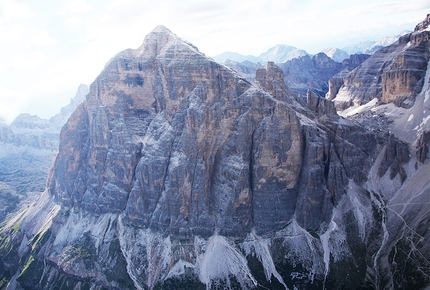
27 149
401 74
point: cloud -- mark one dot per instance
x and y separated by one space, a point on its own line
76 6
11 10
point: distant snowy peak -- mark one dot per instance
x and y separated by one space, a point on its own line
360 47
234 56
336 54
281 53
370 47
388 40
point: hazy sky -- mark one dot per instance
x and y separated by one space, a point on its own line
49 47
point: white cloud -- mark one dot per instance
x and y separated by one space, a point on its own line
12 10
40 38
76 6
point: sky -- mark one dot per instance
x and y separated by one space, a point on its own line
49 47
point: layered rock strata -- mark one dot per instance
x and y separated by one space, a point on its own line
394 74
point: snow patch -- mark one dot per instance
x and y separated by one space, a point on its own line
356 110
258 246
220 260
411 116
179 269
326 247
302 249
342 96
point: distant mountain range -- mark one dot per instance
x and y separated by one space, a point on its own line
370 47
281 53
27 148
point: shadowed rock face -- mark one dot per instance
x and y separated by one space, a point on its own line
182 145
307 72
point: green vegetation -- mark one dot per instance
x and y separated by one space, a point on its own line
3 283
32 271
39 240
16 226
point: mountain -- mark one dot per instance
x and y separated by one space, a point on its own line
278 53
394 74
246 68
360 47
370 47
281 53
336 54
313 73
27 149
303 73
236 57
390 90
178 173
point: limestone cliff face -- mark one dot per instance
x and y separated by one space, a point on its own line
182 145
394 74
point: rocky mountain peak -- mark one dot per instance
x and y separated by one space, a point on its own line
161 42
423 25
271 79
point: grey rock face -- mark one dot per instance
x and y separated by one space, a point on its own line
336 82
422 147
394 74
304 73
188 148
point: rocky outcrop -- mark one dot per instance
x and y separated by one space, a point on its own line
271 79
394 74
320 106
423 25
422 147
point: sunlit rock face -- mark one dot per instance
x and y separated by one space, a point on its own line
394 74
